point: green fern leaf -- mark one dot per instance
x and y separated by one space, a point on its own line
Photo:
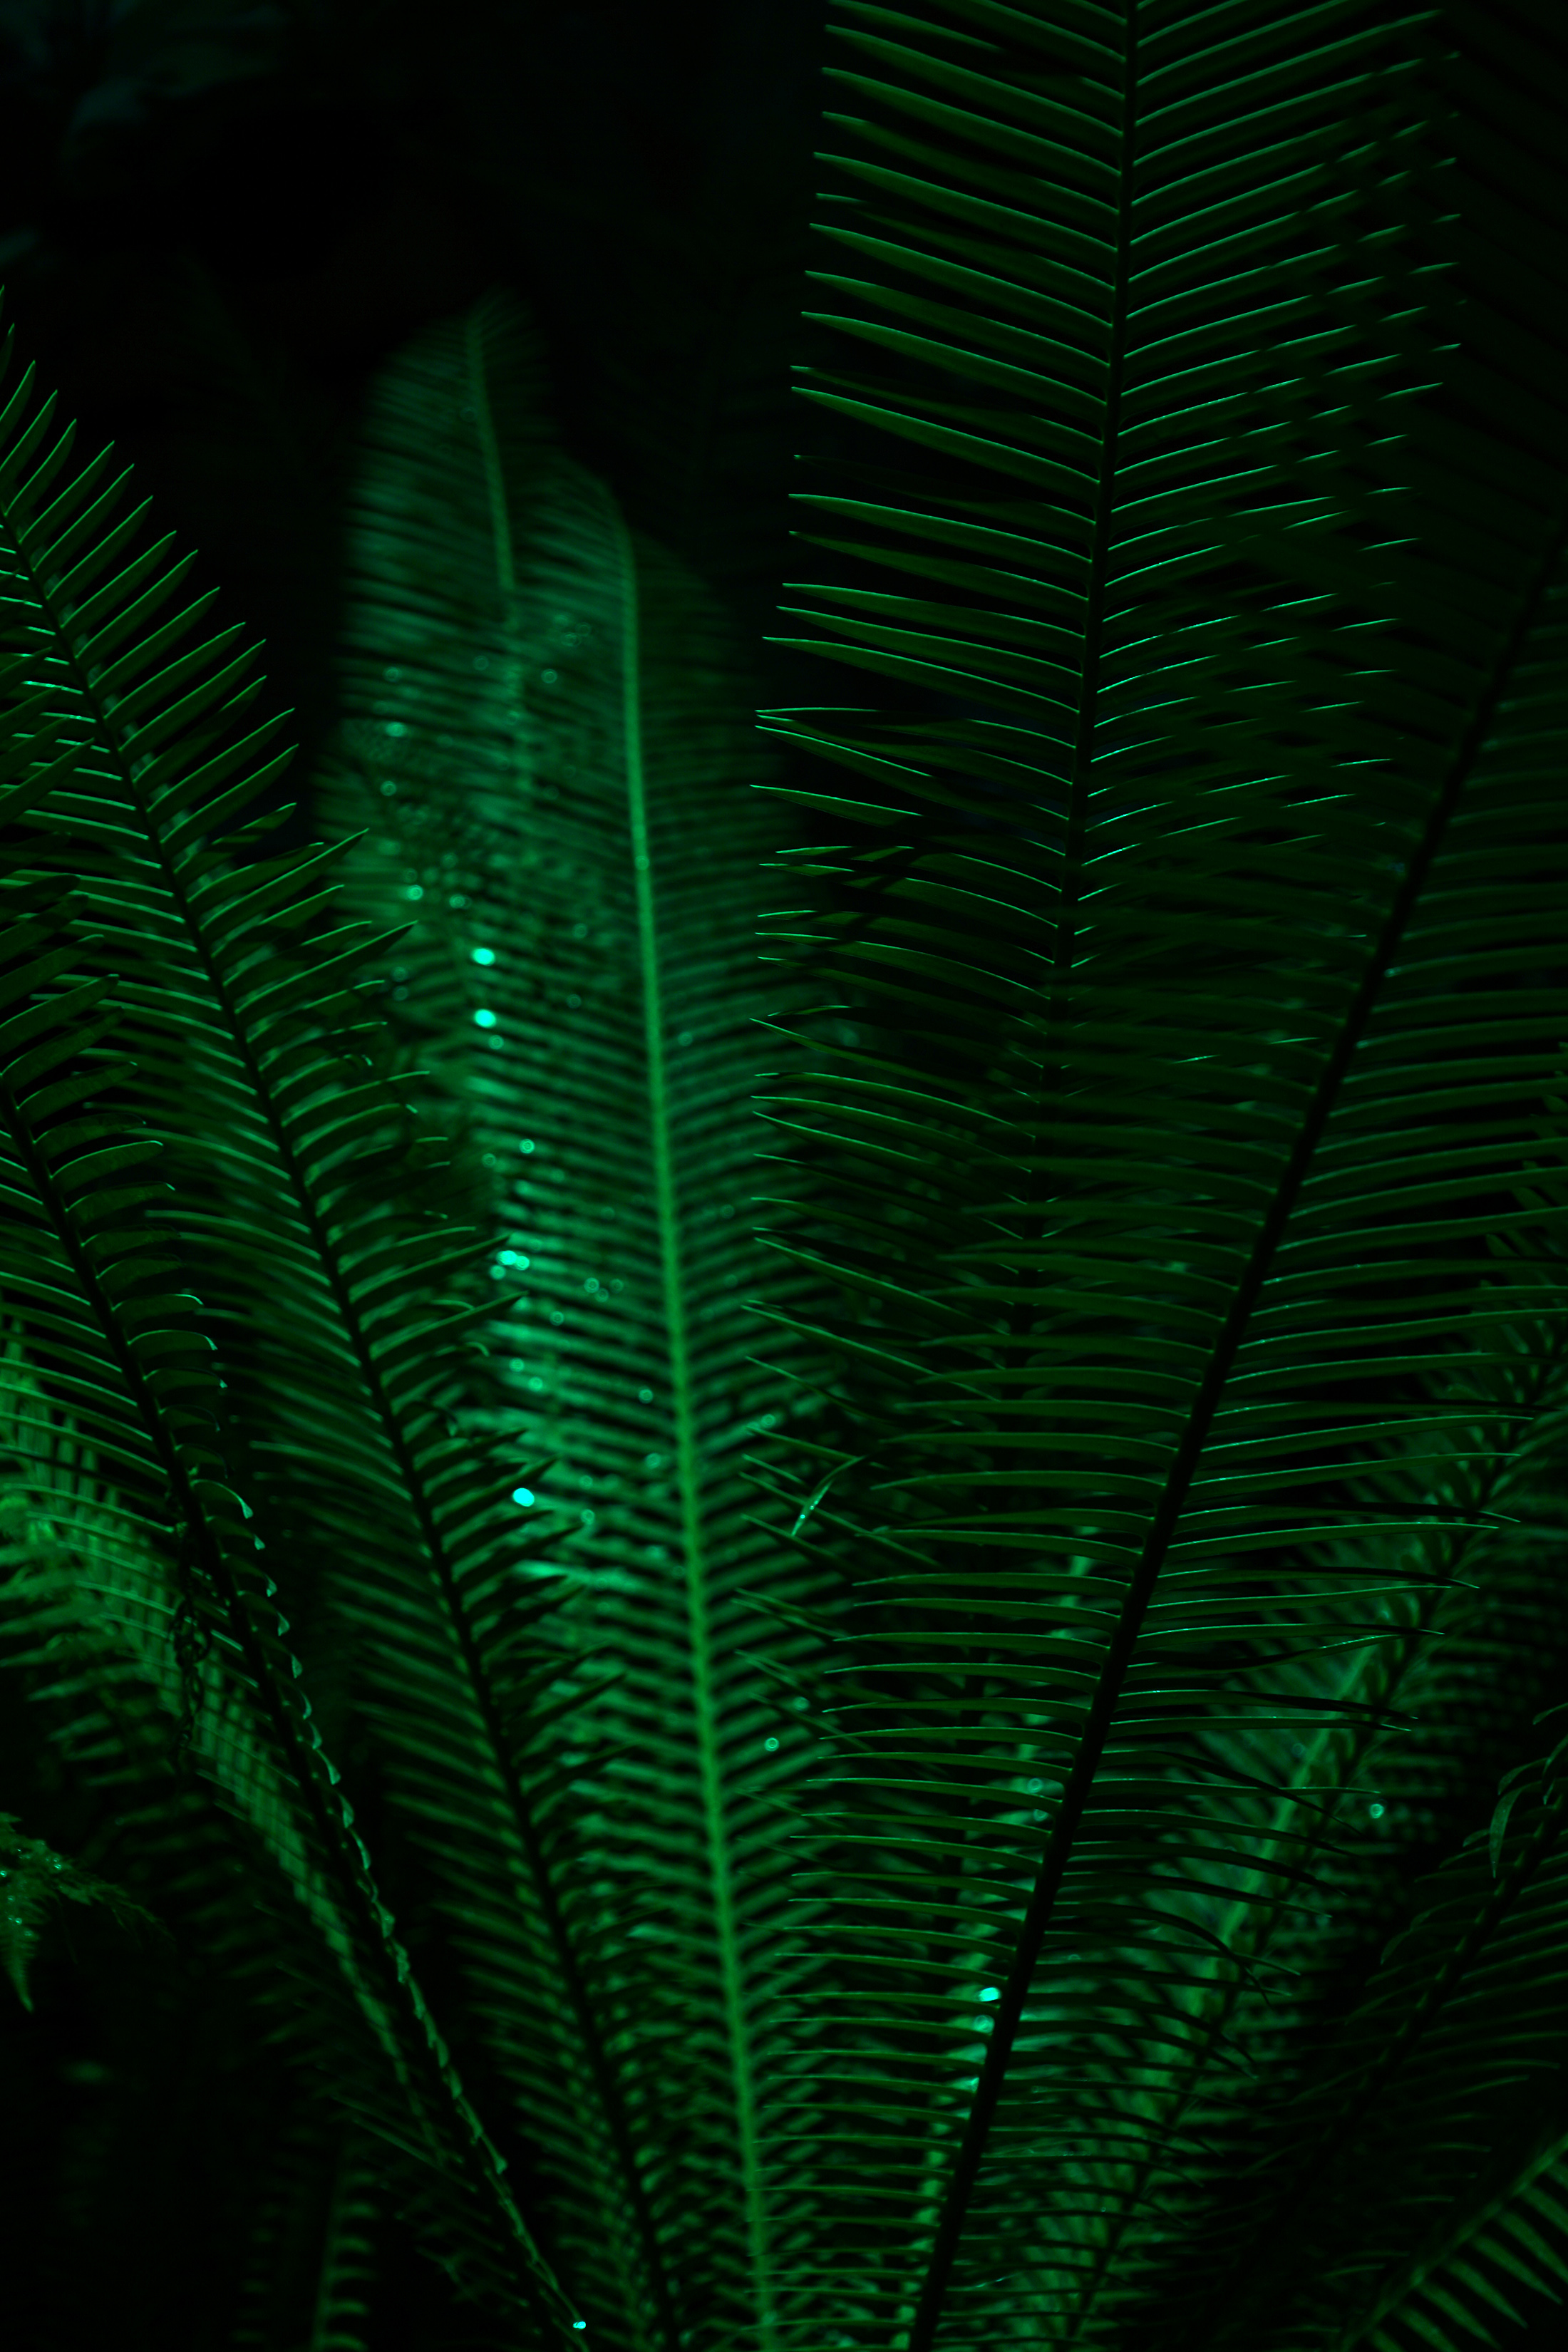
1212 1323
209 997
1514 2235
582 983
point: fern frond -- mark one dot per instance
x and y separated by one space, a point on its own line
581 980
103 1612
1510 2238
213 1000
1456 2049
1204 905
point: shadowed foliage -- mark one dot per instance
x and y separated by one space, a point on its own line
791 1485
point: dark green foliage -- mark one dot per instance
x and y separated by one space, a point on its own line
928 1559
31 1879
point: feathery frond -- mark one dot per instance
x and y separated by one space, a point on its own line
1211 923
982 1764
1515 2236
226 1021
582 978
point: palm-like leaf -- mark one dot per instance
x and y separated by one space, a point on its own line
216 1000
555 762
1456 2047
92 1610
950 1912
1213 967
1508 2237
129 1632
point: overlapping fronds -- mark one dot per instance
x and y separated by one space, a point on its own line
238 1075
1454 2052
94 1614
1206 909
582 981
1513 2237
955 1746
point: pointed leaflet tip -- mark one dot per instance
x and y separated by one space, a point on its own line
821 1488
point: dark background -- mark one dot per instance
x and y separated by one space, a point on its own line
215 222
218 219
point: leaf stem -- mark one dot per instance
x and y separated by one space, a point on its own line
694 1546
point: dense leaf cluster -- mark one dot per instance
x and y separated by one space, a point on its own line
796 1492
